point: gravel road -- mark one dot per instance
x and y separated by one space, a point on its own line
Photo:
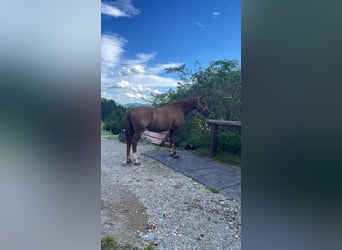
151 203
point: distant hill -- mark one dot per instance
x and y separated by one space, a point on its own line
134 104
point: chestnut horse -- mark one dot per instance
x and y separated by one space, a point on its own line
168 118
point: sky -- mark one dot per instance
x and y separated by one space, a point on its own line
141 38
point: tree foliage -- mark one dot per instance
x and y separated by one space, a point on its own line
112 115
220 84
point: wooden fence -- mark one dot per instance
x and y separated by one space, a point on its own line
214 126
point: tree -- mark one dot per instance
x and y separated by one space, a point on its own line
220 83
112 115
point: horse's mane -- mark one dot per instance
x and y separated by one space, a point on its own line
186 105
185 102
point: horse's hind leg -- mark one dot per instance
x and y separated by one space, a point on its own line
136 138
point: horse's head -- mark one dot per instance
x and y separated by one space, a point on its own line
202 106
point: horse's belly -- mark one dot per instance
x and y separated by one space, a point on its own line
157 128
161 122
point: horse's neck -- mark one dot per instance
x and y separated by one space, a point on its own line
187 107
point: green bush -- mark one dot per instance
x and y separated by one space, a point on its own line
112 115
108 243
229 141
195 131
114 123
201 139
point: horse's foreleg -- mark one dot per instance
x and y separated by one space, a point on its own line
136 139
171 141
174 136
128 152
135 157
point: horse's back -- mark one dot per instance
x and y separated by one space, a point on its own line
141 111
156 119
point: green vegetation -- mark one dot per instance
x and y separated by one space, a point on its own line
112 116
220 84
149 247
212 189
230 159
225 157
108 242
105 133
108 134
103 205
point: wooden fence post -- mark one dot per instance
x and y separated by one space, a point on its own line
214 126
213 139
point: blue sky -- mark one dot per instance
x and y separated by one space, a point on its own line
140 38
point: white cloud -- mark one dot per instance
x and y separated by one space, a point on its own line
137 88
200 25
136 69
155 92
142 83
141 58
120 8
106 95
216 14
131 79
120 84
154 81
144 57
111 10
111 50
136 96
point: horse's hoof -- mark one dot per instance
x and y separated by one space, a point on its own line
137 163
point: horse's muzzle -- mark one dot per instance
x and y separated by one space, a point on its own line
205 113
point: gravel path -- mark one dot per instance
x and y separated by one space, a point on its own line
151 203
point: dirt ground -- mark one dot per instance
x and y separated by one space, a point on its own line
122 211
122 214
154 204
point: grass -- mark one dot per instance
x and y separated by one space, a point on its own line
212 189
223 157
230 159
149 247
108 134
103 205
108 242
156 149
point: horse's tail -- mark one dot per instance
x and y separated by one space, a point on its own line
129 131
